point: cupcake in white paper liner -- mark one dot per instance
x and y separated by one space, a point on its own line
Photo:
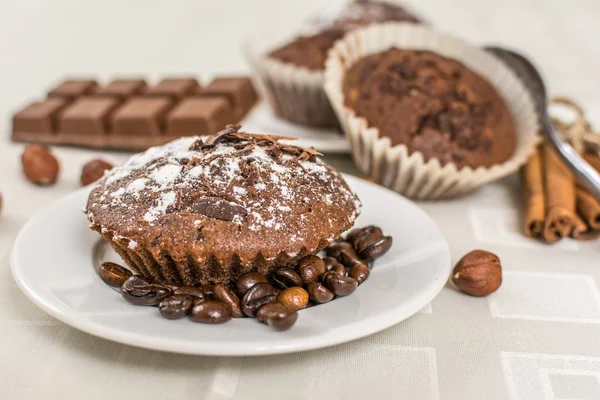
294 93
394 166
288 63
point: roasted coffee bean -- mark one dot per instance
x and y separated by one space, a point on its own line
334 265
339 269
227 296
145 295
286 277
353 235
141 293
249 279
340 285
113 274
176 306
341 251
136 280
319 293
282 321
360 272
196 292
252 307
364 237
270 309
277 316
257 296
376 249
294 298
347 255
208 289
210 312
311 268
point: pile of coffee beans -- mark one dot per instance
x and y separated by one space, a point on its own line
273 300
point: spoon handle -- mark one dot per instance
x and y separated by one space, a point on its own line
585 175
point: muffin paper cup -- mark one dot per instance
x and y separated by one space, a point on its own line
393 166
293 93
163 268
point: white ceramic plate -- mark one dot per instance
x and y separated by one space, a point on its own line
262 120
55 256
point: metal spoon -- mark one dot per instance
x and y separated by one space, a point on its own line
586 176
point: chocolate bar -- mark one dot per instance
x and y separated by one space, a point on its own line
122 88
173 87
238 90
129 114
72 88
199 116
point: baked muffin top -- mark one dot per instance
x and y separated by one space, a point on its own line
230 195
311 51
432 104
308 51
364 12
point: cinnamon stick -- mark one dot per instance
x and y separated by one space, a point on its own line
560 197
579 228
583 232
535 204
588 208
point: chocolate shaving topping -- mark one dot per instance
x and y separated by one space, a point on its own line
245 143
217 208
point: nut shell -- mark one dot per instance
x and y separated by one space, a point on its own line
39 165
478 273
94 170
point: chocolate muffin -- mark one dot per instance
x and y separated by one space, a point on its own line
201 210
292 74
432 104
311 51
365 12
308 51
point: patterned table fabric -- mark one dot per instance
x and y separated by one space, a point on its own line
538 337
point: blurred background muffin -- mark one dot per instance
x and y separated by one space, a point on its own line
290 70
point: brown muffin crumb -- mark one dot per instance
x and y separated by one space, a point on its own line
308 51
311 51
433 105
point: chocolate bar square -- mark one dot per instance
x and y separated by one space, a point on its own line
141 116
39 117
173 87
122 88
199 116
238 90
87 116
72 88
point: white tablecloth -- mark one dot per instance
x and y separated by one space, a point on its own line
536 338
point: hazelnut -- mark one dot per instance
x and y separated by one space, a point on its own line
294 298
39 165
94 170
478 273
